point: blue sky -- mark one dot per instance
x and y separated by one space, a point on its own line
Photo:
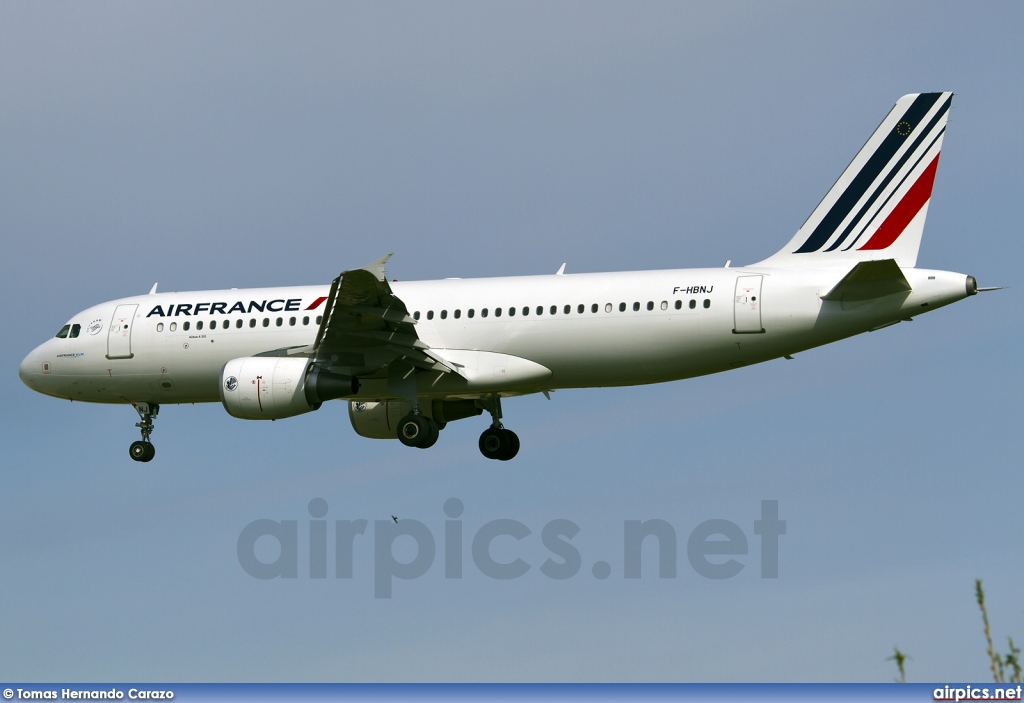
255 144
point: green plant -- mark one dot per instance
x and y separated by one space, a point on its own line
901 659
999 663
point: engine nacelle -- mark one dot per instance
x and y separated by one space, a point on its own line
272 388
379 420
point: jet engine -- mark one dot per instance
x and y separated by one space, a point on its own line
379 420
271 388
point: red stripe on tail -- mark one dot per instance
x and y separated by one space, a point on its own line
905 211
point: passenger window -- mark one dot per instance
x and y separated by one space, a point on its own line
63 334
252 322
579 310
554 310
471 312
199 325
693 304
607 307
458 314
213 324
593 308
238 324
664 305
636 307
319 319
526 311
416 315
174 327
159 327
266 322
497 312
291 321
511 312
430 314
185 325
444 314
305 319
483 313
75 329
650 304
279 321
707 302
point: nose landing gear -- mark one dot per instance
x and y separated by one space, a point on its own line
143 450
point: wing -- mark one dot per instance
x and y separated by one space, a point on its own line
366 328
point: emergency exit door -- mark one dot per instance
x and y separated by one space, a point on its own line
747 306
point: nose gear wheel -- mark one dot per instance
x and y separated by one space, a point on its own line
144 450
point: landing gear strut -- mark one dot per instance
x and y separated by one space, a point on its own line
496 442
144 450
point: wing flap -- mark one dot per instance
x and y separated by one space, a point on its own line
366 327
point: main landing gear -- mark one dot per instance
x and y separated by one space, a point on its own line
496 442
416 430
143 450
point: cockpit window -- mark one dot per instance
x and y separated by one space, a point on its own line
75 329
63 334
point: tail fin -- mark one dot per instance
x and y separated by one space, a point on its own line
877 208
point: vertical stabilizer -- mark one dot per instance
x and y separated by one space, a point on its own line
877 208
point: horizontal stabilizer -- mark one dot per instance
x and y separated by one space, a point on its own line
868 280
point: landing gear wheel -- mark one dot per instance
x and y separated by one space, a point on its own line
499 443
493 443
513 445
142 451
417 431
435 432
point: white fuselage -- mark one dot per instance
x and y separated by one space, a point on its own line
634 328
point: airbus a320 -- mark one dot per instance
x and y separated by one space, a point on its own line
411 357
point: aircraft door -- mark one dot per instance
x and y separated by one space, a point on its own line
119 336
747 306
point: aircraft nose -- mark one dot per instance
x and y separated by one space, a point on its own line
28 369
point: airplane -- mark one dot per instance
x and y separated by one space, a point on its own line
411 357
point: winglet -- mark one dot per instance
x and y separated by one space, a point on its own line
377 267
561 270
152 291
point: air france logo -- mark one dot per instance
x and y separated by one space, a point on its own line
221 308
231 383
